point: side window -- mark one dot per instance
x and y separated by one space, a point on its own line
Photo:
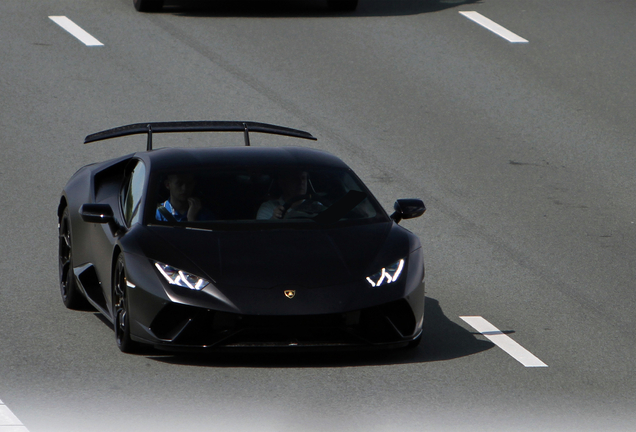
132 194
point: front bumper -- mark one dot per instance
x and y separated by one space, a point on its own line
351 317
180 327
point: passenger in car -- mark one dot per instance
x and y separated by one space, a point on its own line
182 206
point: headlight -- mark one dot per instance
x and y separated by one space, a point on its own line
174 276
387 275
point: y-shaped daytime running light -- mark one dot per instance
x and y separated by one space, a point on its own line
174 276
387 275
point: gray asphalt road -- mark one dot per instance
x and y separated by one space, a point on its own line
523 153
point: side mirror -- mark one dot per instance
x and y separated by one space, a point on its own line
408 209
97 213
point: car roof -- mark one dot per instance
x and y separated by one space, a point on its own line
225 157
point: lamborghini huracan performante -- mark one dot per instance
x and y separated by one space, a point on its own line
226 248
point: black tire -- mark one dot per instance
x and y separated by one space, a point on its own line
72 297
148 5
342 5
121 311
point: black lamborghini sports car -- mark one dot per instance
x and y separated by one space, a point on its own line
238 247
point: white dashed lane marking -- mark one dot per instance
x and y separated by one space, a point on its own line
493 27
76 31
9 422
504 342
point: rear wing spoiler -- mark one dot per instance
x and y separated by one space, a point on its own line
196 126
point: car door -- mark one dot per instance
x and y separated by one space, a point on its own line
127 209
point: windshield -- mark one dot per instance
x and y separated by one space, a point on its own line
260 196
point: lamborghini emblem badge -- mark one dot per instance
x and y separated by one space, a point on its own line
290 293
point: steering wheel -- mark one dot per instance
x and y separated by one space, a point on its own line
291 201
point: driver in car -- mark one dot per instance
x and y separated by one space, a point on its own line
293 186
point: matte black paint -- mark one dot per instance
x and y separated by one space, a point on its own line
249 269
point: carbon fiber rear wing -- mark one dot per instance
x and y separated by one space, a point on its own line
196 126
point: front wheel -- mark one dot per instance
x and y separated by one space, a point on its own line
71 295
148 5
342 5
121 309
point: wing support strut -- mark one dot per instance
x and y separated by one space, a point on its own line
247 135
149 142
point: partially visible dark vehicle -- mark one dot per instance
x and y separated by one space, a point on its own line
157 5
333 271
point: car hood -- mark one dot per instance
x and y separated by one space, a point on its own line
269 258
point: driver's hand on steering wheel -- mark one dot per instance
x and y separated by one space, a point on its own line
278 212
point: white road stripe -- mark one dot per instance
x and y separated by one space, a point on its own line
9 422
76 31
493 27
504 342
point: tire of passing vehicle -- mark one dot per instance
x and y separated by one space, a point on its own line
415 342
342 5
148 5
